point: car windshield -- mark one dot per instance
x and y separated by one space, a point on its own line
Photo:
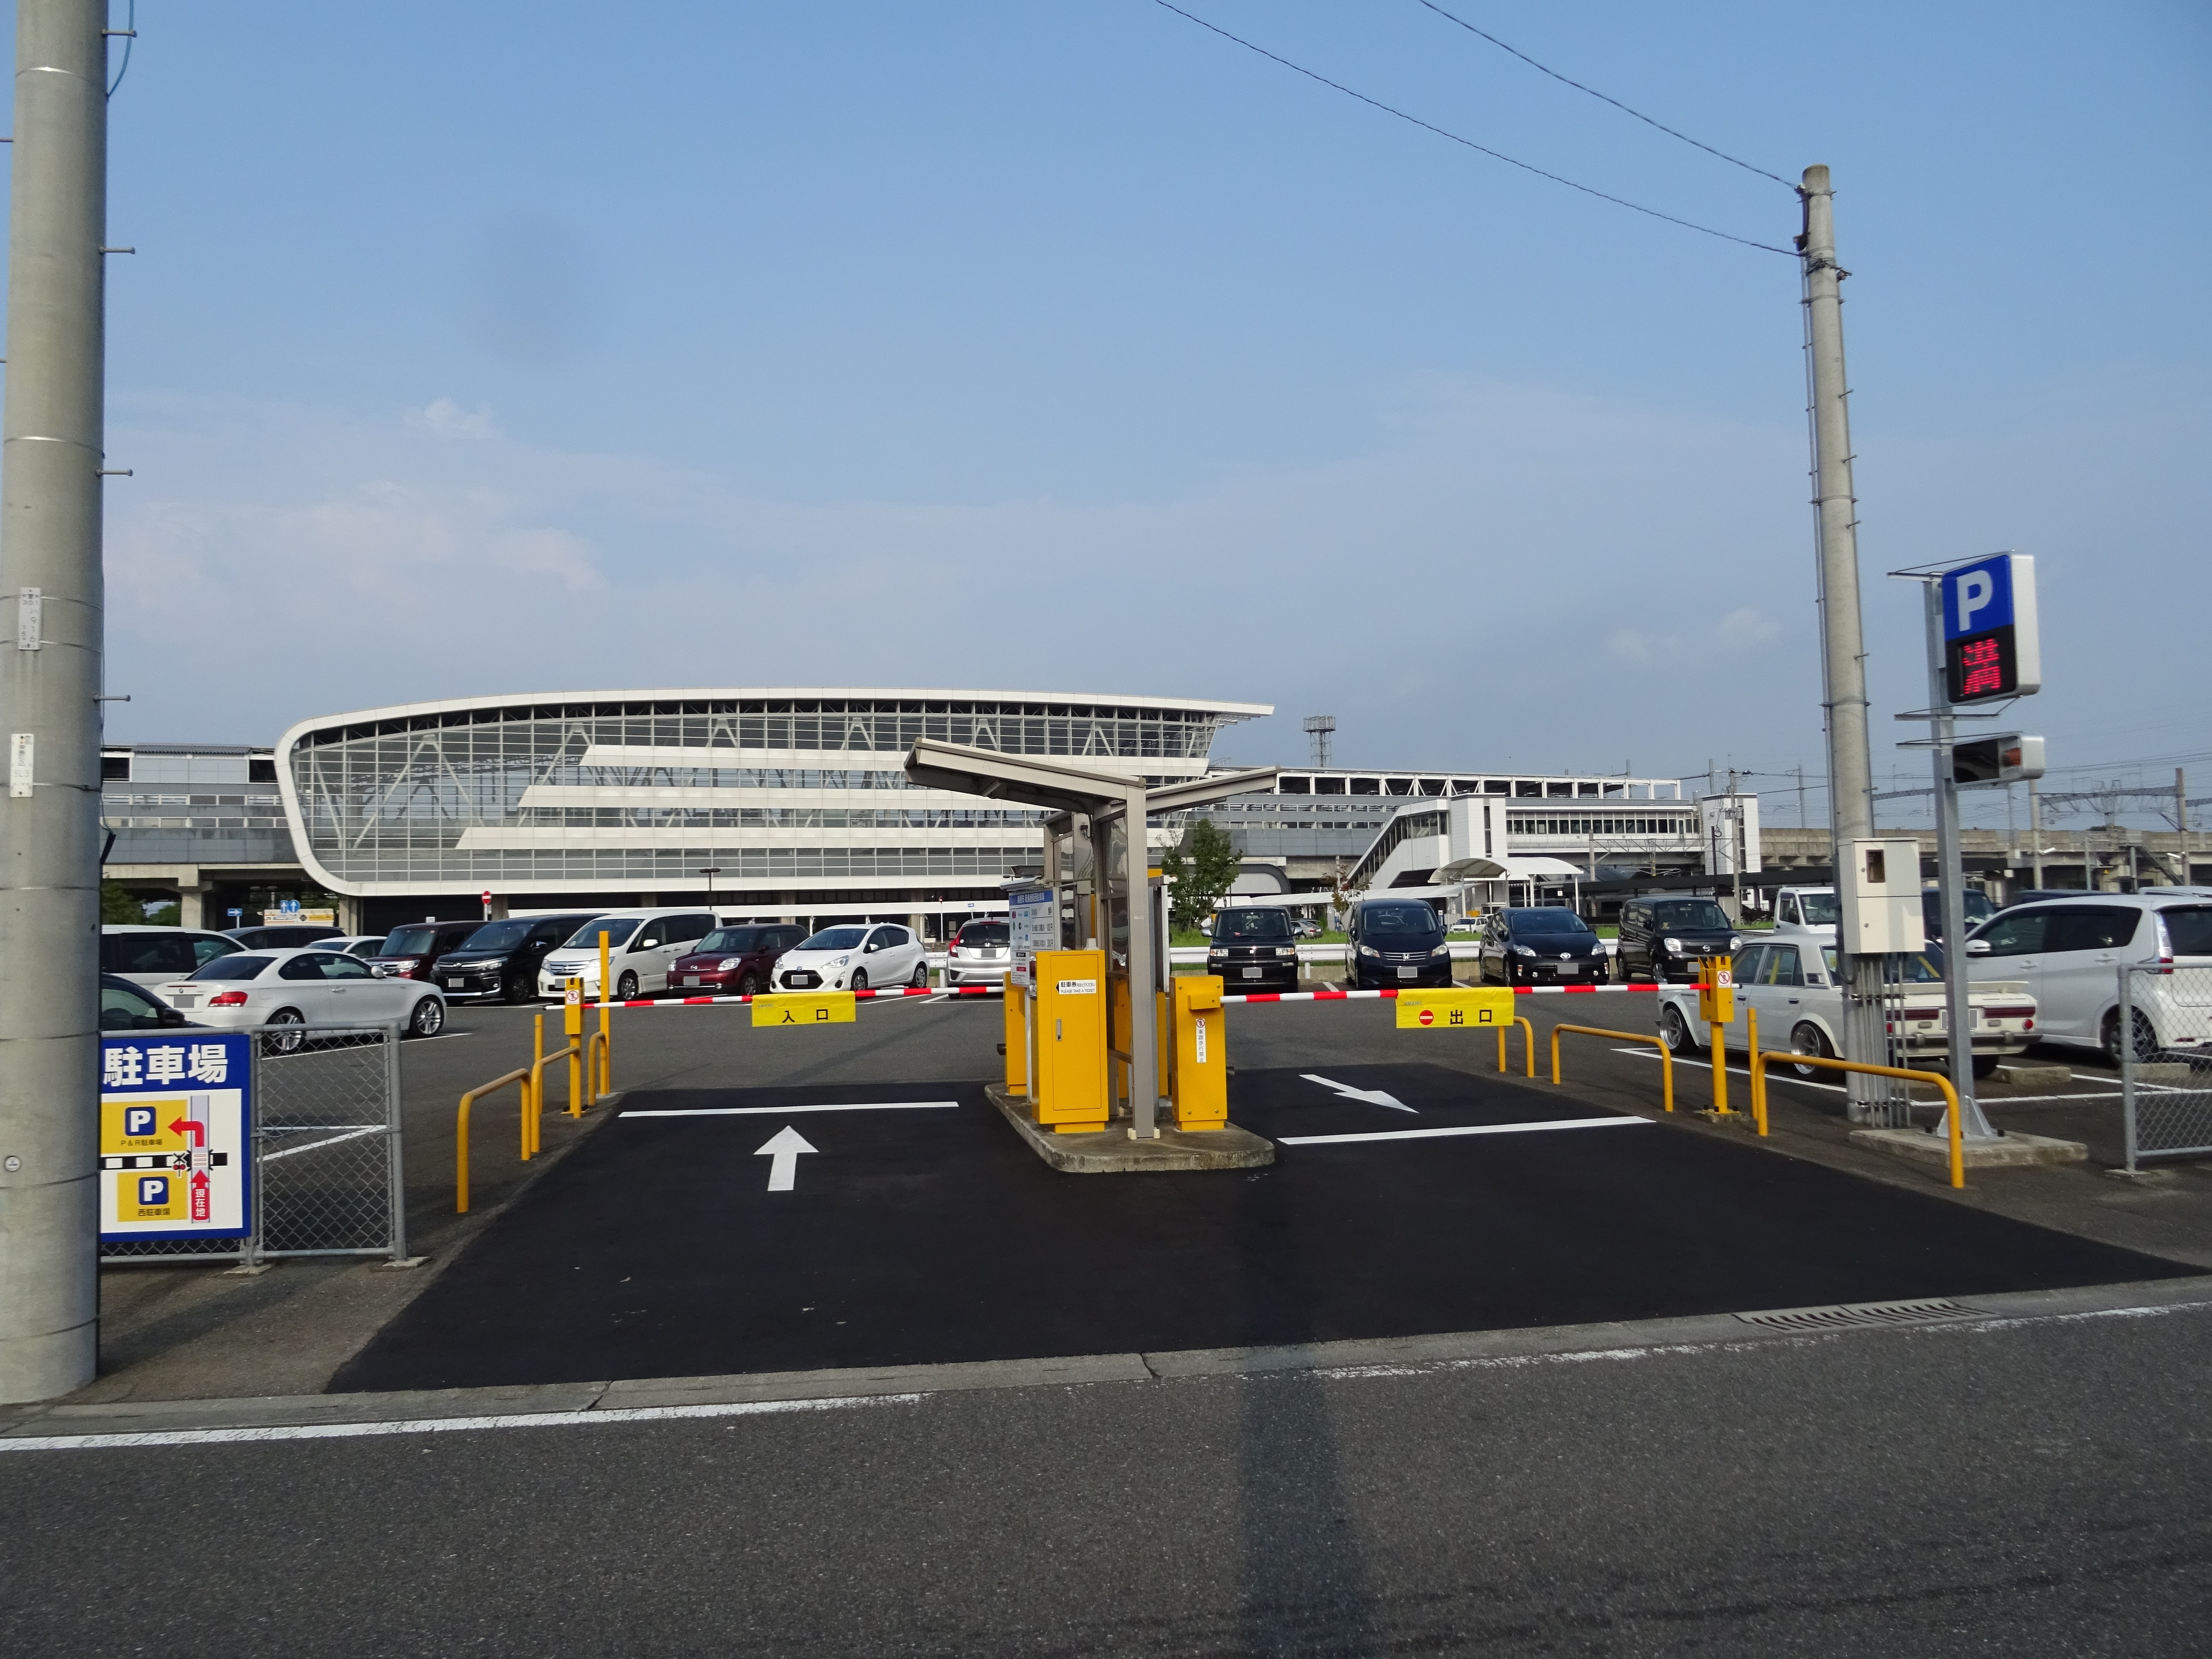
616 928
410 941
1401 919
979 935
365 947
835 939
730 938
1923 967
234 968
1253 924
1978 908
1819 908
1551 920
498 936
1690 913
2188 930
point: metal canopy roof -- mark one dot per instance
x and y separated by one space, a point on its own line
1017 778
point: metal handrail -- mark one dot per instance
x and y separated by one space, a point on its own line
1527 1043
1759 1064
461 1130
1665 1058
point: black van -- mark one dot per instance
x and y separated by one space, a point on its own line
1396 942
1253 948
501 958
1547 944
1665 938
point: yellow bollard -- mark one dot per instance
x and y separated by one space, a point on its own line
1528 1045
1758 1077
530 1125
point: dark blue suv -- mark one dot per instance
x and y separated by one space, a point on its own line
1396 942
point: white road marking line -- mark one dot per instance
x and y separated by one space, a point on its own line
1464 1129
318 1145
773 1111
443 1424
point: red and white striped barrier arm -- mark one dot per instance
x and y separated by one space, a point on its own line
1392 990
889 991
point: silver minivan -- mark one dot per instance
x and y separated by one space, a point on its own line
2069 952
642 945
153 956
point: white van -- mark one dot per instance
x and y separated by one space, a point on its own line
153 956
642 945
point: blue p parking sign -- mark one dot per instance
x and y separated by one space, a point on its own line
1990 647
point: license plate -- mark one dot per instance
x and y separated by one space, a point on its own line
454 984
1409 972
184 1002
1566 967
690 979
1255 973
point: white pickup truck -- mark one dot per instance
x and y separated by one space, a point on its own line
1790 976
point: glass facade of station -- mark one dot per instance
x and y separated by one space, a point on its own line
781 792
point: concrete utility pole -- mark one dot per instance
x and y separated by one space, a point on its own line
2034 836
50 440
1843 648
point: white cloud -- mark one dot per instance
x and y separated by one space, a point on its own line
1745 628
444 418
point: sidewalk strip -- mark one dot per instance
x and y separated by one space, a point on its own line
1463 1129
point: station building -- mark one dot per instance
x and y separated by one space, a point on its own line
794 802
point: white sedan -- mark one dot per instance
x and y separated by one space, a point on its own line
853 957
303 988
1791 979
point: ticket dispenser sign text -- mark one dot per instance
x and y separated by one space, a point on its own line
176 1127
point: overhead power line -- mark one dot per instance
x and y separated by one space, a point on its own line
1603 98
1495 155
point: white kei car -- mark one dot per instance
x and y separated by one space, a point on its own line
1791 979
854 956
304 987
2070 952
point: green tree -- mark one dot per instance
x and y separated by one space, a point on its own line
118 906
1201 869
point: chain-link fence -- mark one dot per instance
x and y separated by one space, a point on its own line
326 1151
2163 1030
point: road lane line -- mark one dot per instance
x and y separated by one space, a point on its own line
770 1111
1463 1129
444 1425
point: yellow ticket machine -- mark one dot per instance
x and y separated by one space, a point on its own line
1200 1089
1068 1039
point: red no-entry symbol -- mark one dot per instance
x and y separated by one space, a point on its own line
1428 1016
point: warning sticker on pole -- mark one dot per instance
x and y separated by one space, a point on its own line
176 1128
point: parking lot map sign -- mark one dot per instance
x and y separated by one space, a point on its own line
1033 924
176 1116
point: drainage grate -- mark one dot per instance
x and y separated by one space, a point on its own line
1849 1314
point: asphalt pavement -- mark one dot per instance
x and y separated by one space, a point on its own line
2025 1487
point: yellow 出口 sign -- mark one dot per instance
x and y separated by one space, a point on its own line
1463 1007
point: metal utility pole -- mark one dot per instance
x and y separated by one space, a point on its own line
51 437
1958 989
1843 648
2035 836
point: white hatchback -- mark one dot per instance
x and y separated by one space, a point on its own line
2070 952
854 956
642 945
303 988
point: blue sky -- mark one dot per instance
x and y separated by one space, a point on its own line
1068 346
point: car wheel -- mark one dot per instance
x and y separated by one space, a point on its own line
512 990
859 979
287 1041
427 1019
626 988
1674 1031
2146 1037
1811 1040
921 980
748 984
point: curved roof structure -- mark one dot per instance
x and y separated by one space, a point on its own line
775 789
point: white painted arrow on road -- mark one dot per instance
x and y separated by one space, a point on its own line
782 1150
1372 1097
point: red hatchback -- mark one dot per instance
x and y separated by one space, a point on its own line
737 959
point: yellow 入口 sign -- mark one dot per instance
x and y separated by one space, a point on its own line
795 1008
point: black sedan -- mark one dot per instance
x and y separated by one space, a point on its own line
1547 945
1254 948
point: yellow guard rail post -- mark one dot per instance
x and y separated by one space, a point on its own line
1758 1082
1528 1044
1666 1058
1950 1094
530 1138
461 1130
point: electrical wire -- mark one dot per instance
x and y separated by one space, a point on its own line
1495 155
1603 98
129 39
